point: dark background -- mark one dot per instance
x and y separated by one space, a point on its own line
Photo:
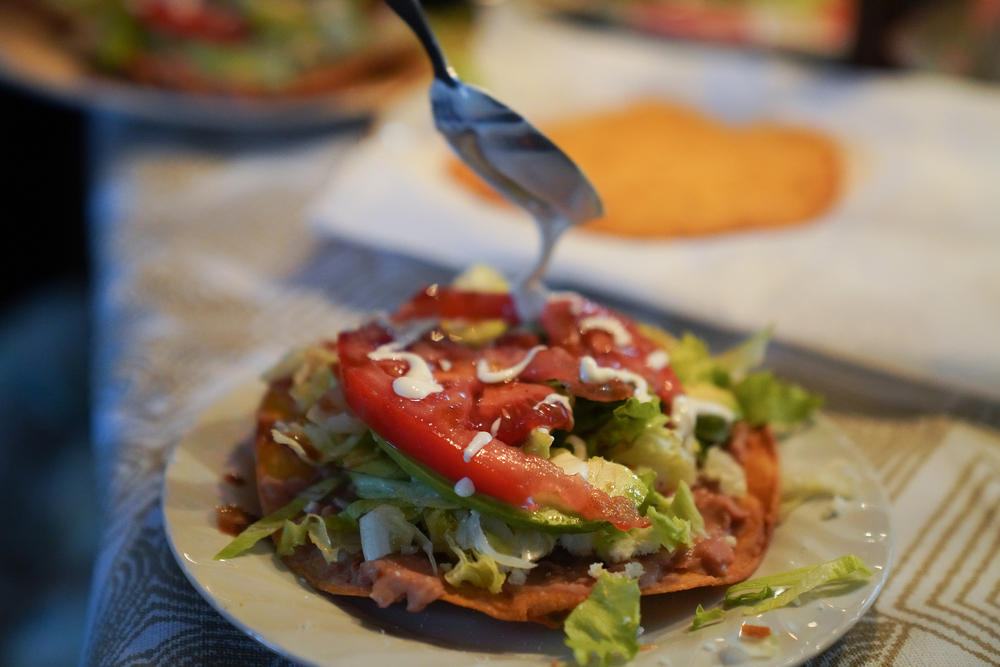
46 472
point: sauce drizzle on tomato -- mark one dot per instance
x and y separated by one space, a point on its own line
504 390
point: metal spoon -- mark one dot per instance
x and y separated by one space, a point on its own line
505 149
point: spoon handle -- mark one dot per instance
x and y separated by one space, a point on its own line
411 13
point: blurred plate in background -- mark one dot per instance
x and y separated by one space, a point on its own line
36 54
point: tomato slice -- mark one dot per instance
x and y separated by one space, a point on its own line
447 302
563 322
521 407
436 429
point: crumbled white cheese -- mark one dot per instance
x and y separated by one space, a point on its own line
634 570
517 577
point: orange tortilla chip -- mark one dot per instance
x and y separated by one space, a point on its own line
560 582
664 170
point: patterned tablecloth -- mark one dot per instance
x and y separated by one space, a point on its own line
205 269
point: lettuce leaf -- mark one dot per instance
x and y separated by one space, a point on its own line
414 493
630 420
758 595
662 451
386 530
271 523
683 507
477 569
740 360
766 400
693 364
329 534
606 624
675 522
670 531
703 617
794 583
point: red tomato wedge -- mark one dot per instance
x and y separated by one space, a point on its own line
436 429
564 320
447 302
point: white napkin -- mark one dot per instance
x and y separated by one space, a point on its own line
903 274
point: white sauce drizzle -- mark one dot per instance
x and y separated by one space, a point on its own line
591 372
418 382
478 441
658 359
484 373
578 445
464 487
576 302
495 426
445 365
609 325
684 412
407 333
554 399
530 300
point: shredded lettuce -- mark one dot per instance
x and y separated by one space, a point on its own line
767 400
385 530
691 360
740 360
362 506
510 547
413 493
660 450
329 534
670 531
726 379
693 364
778 590
721 467
475 569
314 377
752 597
794 583
440 526
675 522
682 506
703 617
606 624
271 523
628 421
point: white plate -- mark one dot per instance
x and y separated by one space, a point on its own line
262 597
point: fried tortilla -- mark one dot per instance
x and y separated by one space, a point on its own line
738 531
665 171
